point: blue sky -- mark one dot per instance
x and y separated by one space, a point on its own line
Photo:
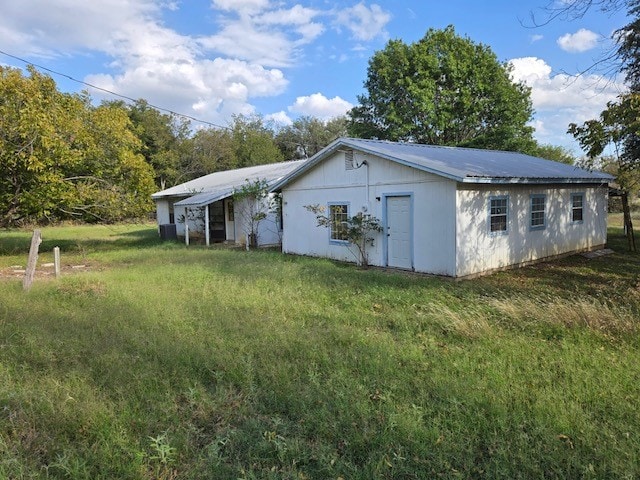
281 59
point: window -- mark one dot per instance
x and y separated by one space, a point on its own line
498 210
339 215
537 211
172 218
577 207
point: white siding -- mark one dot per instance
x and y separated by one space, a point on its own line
162 211
433 210
268 229
478 250
194 216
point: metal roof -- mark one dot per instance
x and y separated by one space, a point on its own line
466 165
215 186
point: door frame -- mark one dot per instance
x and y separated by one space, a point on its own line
211 222
385 225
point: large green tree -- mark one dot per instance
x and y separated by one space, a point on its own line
619 124
443 90
253 141
306 136
164 140
208 150
61 157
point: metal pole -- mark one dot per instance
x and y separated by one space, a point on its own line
206 225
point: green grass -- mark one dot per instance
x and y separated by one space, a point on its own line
169 362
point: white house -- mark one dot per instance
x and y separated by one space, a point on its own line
206 205
449 211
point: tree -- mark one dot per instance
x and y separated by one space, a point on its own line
62 158
254 142
306 136
356 230
556 153
618 126
162 136
112 181
207 151
32 149
443 90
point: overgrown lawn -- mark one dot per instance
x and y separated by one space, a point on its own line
163 361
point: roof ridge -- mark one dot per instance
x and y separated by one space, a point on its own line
448 147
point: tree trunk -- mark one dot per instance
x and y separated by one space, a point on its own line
628 224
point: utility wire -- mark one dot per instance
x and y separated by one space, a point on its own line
69 77
112 93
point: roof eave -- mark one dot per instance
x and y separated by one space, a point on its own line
310 163
536 181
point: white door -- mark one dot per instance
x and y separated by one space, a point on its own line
399 248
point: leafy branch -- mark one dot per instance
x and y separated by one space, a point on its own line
357 230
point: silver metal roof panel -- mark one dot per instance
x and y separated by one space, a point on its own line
467 165
215 186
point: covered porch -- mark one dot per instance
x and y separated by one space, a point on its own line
211 215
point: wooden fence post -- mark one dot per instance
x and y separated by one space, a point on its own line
56 261
186 234
30 272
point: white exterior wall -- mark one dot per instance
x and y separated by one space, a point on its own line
162 211
433 212
479 250
194 216
269 232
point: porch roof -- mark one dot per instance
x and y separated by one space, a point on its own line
218 185
206 198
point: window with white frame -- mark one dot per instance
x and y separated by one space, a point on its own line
577 207
339 216
498 214
538 214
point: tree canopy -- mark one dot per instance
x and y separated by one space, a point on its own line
61 157
306 136
443 90
618 125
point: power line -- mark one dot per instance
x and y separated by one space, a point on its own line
130 99
69 77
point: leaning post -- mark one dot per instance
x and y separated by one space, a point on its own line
30 272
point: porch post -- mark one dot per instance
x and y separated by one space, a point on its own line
206 224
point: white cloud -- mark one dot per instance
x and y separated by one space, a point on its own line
317 105
243 40
536 38
31 27
560 99
272 38
279 118
241 6
297 15
365 23
210 76
578 42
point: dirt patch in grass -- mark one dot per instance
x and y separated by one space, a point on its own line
46 270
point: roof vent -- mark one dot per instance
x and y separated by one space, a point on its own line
348 160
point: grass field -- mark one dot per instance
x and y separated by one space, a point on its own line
157 361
